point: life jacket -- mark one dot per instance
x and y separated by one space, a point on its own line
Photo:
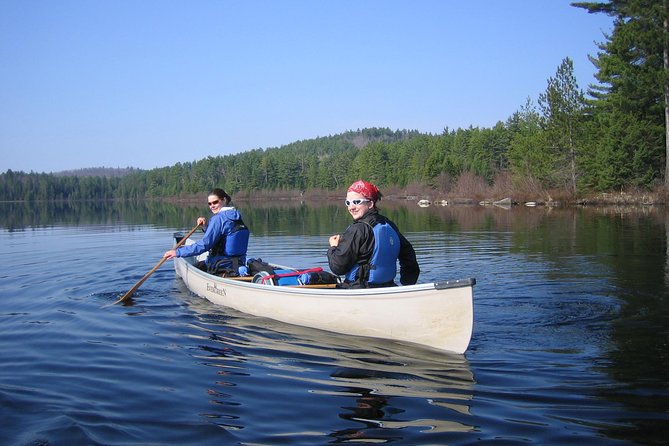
382 267
229 252
233 244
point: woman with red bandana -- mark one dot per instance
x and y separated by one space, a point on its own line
368 251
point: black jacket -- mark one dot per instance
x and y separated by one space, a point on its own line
356 245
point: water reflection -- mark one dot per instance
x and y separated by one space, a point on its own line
21 215
371 385
295 217
379 394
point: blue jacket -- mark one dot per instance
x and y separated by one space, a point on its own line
225 230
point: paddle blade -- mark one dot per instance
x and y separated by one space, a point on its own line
130 292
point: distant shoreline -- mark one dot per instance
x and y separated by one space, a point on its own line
434 198
425 198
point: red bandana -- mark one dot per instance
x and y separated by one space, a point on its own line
367 190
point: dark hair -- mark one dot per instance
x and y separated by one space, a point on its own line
220 193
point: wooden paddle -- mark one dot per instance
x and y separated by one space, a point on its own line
147 275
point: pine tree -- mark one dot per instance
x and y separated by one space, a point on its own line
633 69
563 105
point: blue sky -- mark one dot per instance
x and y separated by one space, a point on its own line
149 83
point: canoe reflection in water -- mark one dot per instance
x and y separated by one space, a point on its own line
312 382
385 406
369 410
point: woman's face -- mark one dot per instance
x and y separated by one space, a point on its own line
215 203
360 209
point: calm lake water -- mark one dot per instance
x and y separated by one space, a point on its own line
570 343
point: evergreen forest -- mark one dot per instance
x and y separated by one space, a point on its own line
566 143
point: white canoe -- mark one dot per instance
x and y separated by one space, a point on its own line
438 315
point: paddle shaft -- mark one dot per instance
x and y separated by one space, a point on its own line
147 275
317 285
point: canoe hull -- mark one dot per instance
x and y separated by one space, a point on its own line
437 315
